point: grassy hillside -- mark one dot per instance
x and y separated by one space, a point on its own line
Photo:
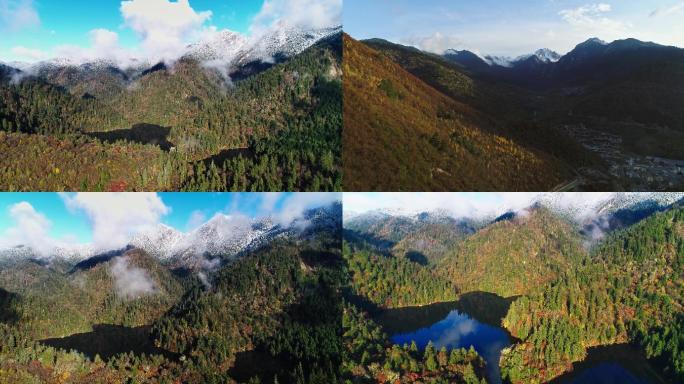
402 134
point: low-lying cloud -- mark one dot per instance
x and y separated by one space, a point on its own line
130 281
165 29
581 207
436 43
295 205
297 14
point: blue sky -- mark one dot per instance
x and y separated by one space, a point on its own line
83 217
34 30
512 28
68 22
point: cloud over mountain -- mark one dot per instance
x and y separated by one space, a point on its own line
130 281
306 14
116 216
164 27
30 228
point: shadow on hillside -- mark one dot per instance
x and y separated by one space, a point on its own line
368 240
108 340
140 133
417 257
617 362
228 154
91 262
484 307
259 363
8 307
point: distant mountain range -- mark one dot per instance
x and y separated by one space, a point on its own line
589 60
603 117
224 50
543 55
220 239
385 222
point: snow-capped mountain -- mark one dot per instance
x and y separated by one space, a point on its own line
544 55
70 253
284 42
501 61
579 207
224 46
223 237
548 56
226 49
606 203
160 242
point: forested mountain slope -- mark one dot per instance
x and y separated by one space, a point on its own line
442 145
630 291
514 257
270 314
56 302
277 129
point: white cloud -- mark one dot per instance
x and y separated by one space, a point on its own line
269 201
592 17
163 26
17 14
297 13
166 28
581 206
296 204
196 219
115 217
667 11
104 38
29 54
130 281
104 44
435 43
30 229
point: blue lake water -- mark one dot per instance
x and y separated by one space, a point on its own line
606 373
612 364
458 330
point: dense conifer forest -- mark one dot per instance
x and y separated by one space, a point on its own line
180 128
273 315
563 295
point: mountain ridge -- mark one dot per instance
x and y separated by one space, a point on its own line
221 239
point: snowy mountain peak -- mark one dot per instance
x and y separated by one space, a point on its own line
501 61
596 40
223 45
546 55
225 49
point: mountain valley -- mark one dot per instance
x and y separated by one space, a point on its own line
275 102
605 116
571 290
233 297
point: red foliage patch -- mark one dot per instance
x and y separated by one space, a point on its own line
117 186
